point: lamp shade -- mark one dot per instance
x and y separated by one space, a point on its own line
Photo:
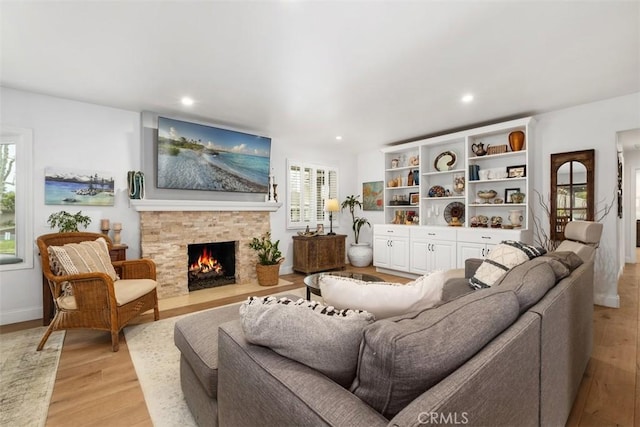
332 205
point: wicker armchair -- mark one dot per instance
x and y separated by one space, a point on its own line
98 302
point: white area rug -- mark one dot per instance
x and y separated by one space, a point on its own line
157 363
27 376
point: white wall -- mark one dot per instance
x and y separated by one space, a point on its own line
69 134
583 127
629 191
331 155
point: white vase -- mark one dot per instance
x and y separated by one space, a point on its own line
516 218
360 254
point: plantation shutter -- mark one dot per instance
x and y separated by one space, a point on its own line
309 187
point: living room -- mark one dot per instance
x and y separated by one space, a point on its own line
580 94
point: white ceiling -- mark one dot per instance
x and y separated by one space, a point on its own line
374 72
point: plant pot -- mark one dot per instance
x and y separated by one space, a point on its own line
268 275
360 254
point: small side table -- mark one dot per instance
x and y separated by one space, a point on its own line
118 252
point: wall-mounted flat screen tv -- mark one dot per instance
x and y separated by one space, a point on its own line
197 157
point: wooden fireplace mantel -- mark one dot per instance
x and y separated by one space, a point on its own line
202 205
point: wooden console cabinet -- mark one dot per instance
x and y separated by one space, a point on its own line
318 253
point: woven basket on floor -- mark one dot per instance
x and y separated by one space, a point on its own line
268 275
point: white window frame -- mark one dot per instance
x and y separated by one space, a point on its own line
23 138
313 204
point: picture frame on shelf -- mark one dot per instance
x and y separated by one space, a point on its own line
414 199
519 171
320 229
508 192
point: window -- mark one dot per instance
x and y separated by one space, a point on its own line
309 187
16 217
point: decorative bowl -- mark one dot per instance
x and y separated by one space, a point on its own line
487 195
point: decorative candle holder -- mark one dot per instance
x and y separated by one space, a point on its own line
117 229
104 226
275 195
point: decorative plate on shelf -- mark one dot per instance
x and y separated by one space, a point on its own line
445 161
436 191
454 210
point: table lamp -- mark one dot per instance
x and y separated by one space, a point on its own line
331 206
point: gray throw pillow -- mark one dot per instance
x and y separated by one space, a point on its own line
404 356
315 335
531 281
570 259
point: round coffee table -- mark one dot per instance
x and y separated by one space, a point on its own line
313 280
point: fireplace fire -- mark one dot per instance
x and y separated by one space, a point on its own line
211 265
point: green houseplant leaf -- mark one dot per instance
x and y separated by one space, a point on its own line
268 252
67 222
351 202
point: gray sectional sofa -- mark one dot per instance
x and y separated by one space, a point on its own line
513 354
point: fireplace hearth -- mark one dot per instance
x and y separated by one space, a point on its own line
211 264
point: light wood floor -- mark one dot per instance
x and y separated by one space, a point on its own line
96 387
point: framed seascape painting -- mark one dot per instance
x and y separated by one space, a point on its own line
372 195
198 157
77 187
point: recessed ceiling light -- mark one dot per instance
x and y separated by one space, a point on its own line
467 98
339 138
186 101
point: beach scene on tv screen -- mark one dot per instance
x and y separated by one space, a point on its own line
198 157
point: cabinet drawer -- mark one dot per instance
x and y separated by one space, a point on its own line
391 230
433 233
488 235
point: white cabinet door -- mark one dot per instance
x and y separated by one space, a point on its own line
381 251
399 254
419 256
443 255
469 250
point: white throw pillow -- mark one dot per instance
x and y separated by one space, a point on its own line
321 337
501 259
383 299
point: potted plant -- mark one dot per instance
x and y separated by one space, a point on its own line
269 259
359 254
67 222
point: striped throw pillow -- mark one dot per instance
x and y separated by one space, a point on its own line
502 258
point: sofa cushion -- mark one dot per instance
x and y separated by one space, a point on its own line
402 357
321 337
196 336
501 259
383 299
530 281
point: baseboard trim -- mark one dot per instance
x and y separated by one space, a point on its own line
612 301
23 315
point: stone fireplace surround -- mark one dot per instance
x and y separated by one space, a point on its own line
167 227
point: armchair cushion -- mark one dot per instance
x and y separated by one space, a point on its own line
131 289
83 257
125 290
